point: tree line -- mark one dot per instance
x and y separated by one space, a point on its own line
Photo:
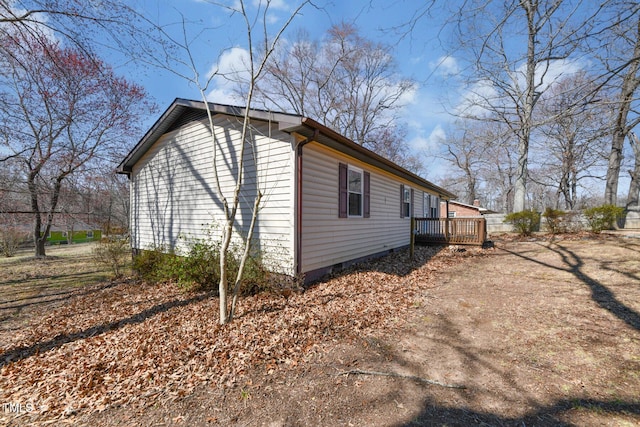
550 103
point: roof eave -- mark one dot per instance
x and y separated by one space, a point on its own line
178 106
361 153
286 123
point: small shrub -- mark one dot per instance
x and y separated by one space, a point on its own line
603 217
555 220
152 264
256 277
199 269
10 240
524 222
114 252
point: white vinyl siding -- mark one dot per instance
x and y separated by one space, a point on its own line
174 196
328 239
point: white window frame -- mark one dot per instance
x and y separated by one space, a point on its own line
406 195
426 205
349 192
435 207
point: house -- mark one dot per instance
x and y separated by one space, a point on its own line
77 232
463 210
327 202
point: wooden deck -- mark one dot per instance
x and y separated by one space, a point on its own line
453 231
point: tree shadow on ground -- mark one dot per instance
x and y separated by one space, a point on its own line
24 352
600 294
551 415
47 296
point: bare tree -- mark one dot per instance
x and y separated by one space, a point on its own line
62 111
112 24
345 81
621 58
516 49
634 185
180 58
465 151
106 197
499 169
572 137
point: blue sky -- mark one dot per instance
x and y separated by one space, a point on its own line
419 55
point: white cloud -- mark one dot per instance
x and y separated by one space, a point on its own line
409 96
477 98
423 110
231 70
273 5
430 143
232 62
445 66
556 70
430 149
37 21
481 94
272 18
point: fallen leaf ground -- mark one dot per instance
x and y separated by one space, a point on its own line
540 333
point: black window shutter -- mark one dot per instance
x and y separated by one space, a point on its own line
411 209
401 200
343 195
367 195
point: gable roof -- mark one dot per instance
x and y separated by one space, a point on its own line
179 111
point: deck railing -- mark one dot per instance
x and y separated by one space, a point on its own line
455 231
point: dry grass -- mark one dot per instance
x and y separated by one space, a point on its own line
27 283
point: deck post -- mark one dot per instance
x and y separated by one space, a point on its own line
446 229
483 231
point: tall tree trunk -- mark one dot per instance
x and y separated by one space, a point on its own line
634 185
39 238
613 169
520 187
40 234
223 284
563 190
245 255
471 186
524 134
630 83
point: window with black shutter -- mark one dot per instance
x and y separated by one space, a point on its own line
354 198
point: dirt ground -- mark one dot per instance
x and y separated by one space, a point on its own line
532 332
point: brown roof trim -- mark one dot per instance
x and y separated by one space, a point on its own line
178 107
368 156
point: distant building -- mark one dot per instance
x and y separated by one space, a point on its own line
78 233
462 210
